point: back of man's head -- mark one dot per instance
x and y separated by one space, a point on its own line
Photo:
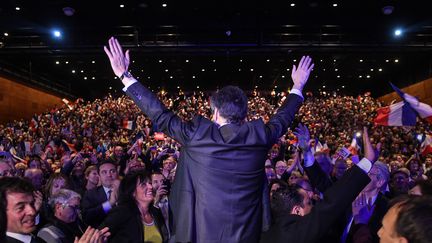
231 102
285 199
414 219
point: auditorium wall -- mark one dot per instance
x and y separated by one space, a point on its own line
422 90
20 101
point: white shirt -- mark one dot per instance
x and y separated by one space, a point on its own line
20 237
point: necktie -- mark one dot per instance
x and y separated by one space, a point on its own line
109 194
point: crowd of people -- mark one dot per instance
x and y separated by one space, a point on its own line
104 163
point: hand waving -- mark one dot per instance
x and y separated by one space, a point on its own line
303 136
119 60
301 73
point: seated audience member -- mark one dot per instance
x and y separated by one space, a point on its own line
296 220
6 169
35 176
400 182
98 202
65 225
135 219
408 221
422 188
92 177
16 195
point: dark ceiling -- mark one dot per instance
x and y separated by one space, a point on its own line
208 44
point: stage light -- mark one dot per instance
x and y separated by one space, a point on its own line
387 60
288 69
380 69
251 69
6 34
166 70
292 4
171 77
372 69
121 5
193 76
324 86
343 87
338 76
93 62
241 60
56 33
336 69
361 60
67 62
260 76
283 76
160 61
17 8
82 71
187 60
214 70
396 60
85 78
164 5
203 70
73 71
93 78
368 76
214 60
335 4
398 32
268 60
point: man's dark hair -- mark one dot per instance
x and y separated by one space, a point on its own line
425 187
414 219
106 161
285 199
13 185
231 102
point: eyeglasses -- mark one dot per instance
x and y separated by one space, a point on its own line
73 207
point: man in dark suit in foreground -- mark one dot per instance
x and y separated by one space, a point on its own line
296 220
218 188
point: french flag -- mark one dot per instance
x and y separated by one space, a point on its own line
426 146
128 124
354 147
403 113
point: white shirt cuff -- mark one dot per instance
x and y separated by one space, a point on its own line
128 82
297 92
309 158
106 206
365 165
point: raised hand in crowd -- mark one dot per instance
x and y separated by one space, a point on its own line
369 152
92 235
362 209
38 197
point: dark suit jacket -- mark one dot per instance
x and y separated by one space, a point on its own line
217 192
125 225
13 240
310 228
321 181
93 212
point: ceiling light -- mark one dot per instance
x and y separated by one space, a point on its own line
166 70
17 8
295 60
187 60
398 32
260 76
214 70
110 87
93 62
171 77
283 76
338 76
334 60
160 61
197 87
396 60
361 60
241 60
82 71
360 76
57 62
321 60
178 87
336 69
335 4
368 76
121 5
6 34
203 70
56 33
67 62
193 76
371 69
380 69
323 86
85 78
214 60
164 5
292 4
93 77
73 71
268 60
387 60
251 69
239 69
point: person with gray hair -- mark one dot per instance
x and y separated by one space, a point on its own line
66 223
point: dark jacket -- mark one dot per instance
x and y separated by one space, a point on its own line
310 228
93 212
125 225
219 182
58 231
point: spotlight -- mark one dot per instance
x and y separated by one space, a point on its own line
57 34
398 32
